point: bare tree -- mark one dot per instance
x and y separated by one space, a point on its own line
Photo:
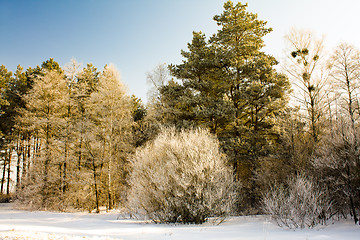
308 74
338 159
338 162
157 78
345 75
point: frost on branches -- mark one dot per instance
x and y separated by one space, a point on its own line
300 204
181 177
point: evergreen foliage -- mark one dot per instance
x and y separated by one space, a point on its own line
230 86
71 137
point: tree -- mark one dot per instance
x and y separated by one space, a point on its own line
85 167
345 73
290 155
110 112
156 79
87 83
181 177
44 115
308 73
20 132
257 92
68 134
81 125
142 128
339 160
5 79
88 80
51 65
230 86
202 102
339 165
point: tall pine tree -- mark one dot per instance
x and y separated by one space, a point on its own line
231 87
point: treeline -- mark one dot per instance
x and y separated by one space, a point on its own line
71 133
76 132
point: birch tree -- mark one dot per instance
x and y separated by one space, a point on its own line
345 76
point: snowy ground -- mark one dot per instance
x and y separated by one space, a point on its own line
16 224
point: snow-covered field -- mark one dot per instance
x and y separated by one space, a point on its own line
17 224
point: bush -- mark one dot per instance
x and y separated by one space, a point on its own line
181 177
301 204
5 198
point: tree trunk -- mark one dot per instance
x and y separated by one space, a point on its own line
4 172
24 162
80 153
353 210
110 206
351 200
47 156
8 172
63 180
95 187
19 152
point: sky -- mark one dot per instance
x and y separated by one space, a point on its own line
137 35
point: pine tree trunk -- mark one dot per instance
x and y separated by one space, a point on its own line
26 160
19 156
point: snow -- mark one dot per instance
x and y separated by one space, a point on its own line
19 224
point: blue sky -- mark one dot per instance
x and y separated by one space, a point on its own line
137 35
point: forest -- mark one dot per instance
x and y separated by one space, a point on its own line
228 131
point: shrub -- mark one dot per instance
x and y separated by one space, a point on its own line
300 204
181 177
5 198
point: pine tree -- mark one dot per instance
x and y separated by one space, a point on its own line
87 82
5 128
231 87
5 79
203 88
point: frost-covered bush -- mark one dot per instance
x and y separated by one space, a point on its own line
181 177
300 204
